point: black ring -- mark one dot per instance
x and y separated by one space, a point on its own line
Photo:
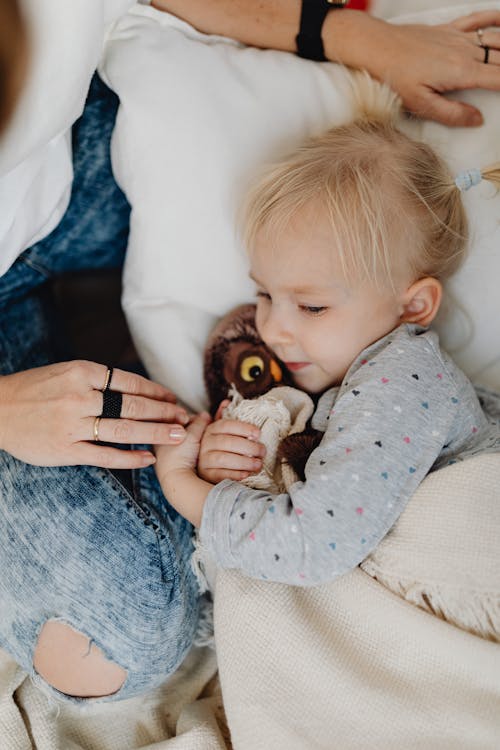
486 54
111 404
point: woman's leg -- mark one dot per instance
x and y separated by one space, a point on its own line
78 549
85 563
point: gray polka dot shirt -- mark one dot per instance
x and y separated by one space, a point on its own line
403 410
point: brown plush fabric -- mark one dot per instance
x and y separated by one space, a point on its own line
236 357
234 340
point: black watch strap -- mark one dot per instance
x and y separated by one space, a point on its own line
312 16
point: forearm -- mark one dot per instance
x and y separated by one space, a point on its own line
260 23
274 24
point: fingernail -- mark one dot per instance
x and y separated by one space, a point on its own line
148 459
476 119
182 416
177 433
256 464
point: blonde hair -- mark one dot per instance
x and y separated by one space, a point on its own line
390 199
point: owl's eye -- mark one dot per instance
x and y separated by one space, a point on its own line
252 368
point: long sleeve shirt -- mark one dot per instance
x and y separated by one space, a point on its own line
403 409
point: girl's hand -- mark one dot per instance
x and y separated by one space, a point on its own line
175 468
48 415
230 450
183 457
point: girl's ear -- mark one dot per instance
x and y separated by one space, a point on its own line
421 301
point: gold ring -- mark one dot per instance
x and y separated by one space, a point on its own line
96 429
480 33
107 379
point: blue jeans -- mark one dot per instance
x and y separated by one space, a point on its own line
75 545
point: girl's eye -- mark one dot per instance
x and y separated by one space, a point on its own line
311 310
263 295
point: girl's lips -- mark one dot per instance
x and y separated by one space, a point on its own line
294 366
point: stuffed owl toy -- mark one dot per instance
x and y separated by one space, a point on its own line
239 366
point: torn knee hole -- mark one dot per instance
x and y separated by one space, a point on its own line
71 662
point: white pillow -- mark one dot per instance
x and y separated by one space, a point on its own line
199 115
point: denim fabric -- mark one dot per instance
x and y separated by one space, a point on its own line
74 544
93 232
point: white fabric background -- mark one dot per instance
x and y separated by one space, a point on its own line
199 116
36 167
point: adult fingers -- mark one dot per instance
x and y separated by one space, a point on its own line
141 408
112 458
147 409
433 106
125 382
477 20
489 39
493 57
128 431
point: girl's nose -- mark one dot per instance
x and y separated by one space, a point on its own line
274 328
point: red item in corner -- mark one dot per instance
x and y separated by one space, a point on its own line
359 4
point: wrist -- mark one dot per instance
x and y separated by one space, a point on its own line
169 479
186 492
348 35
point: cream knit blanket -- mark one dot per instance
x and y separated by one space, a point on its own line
350 665
345 666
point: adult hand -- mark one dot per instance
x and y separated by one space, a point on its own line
48 414
420 62
423 62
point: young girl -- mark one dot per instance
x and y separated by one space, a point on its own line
350 240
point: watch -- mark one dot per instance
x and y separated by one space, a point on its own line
312 16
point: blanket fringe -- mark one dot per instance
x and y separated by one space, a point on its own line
476 612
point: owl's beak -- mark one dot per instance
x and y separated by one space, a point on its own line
275 371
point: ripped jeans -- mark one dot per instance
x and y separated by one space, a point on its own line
75 545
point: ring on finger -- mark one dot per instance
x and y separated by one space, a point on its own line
111 404
107 379
96 429
486 54
480 34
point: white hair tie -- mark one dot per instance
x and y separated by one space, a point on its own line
468 178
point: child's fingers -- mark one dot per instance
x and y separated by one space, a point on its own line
224 460
234 427
198 425
221 408
233 444
218 475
